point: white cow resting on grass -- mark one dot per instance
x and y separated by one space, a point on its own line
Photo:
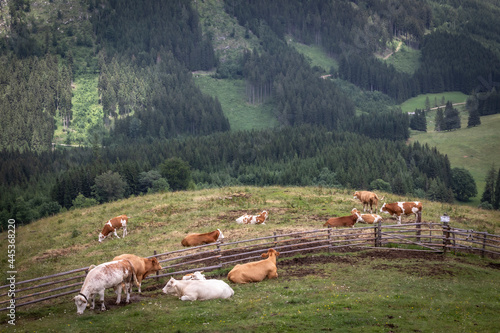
192 290
107 275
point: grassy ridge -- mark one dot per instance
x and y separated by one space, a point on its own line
315 54
345 292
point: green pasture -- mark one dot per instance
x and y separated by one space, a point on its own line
315 54
231 95
475 149
360 291
418 102
406 60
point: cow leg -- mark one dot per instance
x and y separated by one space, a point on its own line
101 295
188 298
92 298
128 289
118 291
114 231
125 233
399 219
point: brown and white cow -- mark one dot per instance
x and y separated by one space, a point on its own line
342 221
256 271
107 275
143 266
366 218
368 199
253 219
112 225
403 208
200 239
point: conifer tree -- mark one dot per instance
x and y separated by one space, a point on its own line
496 203
489 188
439 120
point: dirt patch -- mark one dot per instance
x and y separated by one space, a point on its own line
53 253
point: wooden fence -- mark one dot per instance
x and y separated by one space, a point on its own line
435 237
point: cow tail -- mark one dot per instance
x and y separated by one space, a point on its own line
134 275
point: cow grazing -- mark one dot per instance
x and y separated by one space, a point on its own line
200 239
403 208
342 221
107 275
194 276
143 266
368 199
255 271
192 290
366 218
112 225
253 219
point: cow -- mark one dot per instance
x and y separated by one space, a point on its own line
112 225
143 266
192 290
107 275
255 271
253 219
194 276
367 198
366 218
342 221
403 208
200 239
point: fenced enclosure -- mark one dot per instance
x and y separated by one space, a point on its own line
427 236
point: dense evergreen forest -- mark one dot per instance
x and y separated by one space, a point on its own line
155 119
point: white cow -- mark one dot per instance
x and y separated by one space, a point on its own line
253 219
192 290
107 275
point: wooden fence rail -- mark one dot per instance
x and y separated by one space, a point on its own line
434 237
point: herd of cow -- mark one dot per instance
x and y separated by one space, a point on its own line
127 269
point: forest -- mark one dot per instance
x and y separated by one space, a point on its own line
154 119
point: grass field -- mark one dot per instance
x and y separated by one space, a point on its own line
406 60
231 94
344 291
475 149
315 54
418 102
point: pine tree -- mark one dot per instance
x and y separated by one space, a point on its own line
489 188
496 202
439 120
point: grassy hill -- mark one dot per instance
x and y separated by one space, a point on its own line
356 291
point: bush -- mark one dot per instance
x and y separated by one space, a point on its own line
82 202
109 186
485 205
380 185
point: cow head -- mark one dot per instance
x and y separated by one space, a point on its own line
81 303
155 264
101 237
356 195
170 288
194 276
383 209
356 212
221 235
269 253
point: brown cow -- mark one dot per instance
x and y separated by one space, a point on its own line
143 266
403 208
366 218
112 225
253 219
367 198
200 239
343 221
255 271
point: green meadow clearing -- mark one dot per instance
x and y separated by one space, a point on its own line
354 291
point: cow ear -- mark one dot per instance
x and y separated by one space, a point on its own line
264 255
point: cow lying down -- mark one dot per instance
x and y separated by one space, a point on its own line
113 274
192 290
194 276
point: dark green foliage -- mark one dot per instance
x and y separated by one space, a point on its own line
451 118
496 202
489 188
380 185
472 105
109 186
177 172
463 184
418 121
439 120
488 102
81 201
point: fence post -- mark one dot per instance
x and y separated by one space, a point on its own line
484 244
157 272
419 230
329 238
446 232
275 239
378 237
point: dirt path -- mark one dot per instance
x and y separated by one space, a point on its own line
397 50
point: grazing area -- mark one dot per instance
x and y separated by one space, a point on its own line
344 290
